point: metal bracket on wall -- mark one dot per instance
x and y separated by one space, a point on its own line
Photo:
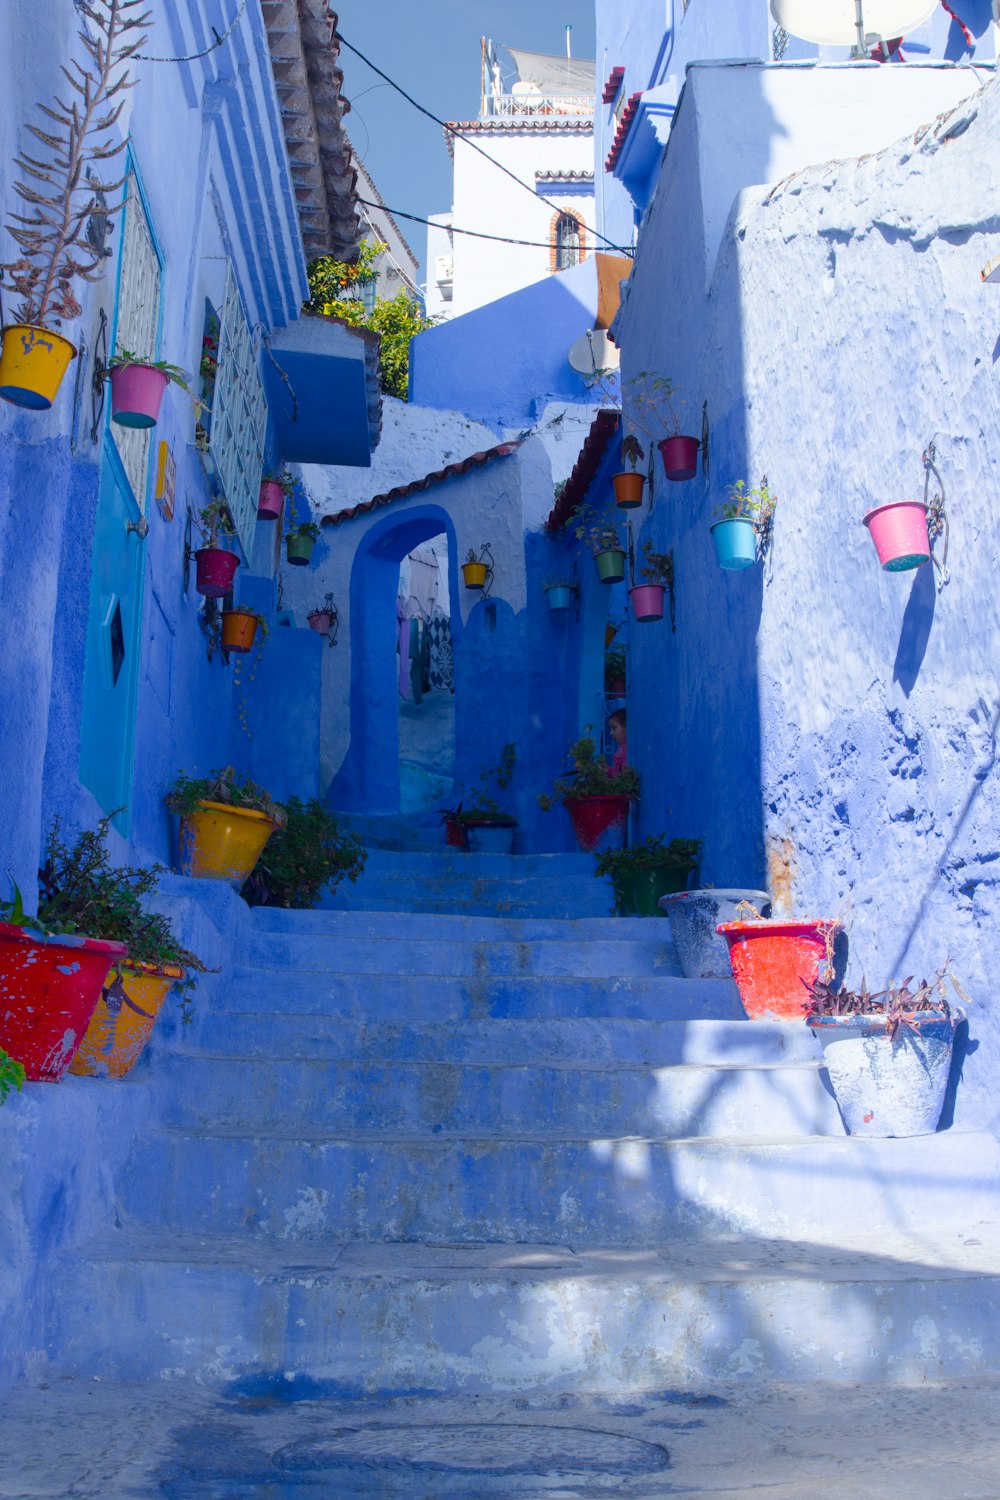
577 591
704 440
486 556
630 549
937 516
99 377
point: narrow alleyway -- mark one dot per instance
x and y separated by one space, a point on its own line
464 1192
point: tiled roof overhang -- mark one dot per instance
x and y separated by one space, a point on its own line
612 86
564 176
309 80
511 125
439 476
624 124
603 430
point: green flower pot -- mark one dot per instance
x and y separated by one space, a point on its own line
299 549
610 566
637 894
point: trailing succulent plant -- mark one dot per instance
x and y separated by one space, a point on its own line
898 1005
61 197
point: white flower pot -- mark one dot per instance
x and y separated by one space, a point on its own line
888 1088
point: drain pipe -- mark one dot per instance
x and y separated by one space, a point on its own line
859 22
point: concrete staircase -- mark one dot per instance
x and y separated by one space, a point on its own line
468 1133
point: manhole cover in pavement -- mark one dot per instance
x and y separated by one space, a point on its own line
506 1448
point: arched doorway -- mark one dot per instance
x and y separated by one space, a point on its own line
425 677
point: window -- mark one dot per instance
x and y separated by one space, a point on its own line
137 321
239 418
567 242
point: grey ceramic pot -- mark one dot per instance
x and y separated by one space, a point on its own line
694 916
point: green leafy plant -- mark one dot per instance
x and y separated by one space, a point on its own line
898 1005
596 529
309 852
614 662
653 853
334 286
485 807
590 777
226 785
82 892
67 195
214 522
746 504
282 477
304 528
122 358
658 567
11 1075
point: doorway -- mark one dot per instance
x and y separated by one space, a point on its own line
425 677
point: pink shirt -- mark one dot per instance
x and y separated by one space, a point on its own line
618 761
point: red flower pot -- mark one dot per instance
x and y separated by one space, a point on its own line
136 395
270 501
454 834
772 963
599 822
216 571
321 620
615 686
49 987
680 457
647 601
628 489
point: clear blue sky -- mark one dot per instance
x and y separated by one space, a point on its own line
432 50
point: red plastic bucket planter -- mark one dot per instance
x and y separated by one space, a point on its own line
899 531
321 620
598 822
49 987
680 456
772 963
647 601
454 834
216 571
270 501
136 395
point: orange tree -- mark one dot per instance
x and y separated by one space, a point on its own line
336 287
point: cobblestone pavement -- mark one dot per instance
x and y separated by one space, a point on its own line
81 1441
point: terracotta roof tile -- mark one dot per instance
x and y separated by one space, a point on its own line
624 125
602 430
612 86
401 491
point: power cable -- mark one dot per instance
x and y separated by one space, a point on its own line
193 57
620 249
478 234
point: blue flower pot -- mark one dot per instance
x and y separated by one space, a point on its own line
735 543
560 598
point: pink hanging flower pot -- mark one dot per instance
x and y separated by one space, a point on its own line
647 601
216 571
137 394
899 531
271 500
680 456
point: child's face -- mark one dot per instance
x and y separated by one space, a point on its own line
617 731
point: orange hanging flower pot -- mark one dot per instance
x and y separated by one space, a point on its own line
239 627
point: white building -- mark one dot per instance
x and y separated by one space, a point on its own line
397 267
537 121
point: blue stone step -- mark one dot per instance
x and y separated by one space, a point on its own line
275 999
569 1099
434 926
528 1318
462 957
579 1039
484 898
457 864
362 1185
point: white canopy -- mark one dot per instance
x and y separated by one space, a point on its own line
554 76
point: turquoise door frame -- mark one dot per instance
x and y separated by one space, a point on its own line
114 624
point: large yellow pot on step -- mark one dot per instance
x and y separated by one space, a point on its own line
117 1033
221 842
33 362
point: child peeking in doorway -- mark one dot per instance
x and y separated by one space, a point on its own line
616 726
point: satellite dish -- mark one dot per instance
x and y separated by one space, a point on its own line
594 352
835 22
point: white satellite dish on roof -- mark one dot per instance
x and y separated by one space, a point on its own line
594 352
835 22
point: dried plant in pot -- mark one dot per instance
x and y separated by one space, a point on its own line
888 1054
63 193
628 483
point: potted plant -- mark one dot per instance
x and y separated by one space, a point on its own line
657 574
216 566
628 482
596 801
559 592
694 918
454 833
652 402
50 983
775 962
899 531
65 195
647 871
888 1054
614 670
299 543
474 570
324 619
488 828
80 887
274 490
743 530
601 536
11 1075
137 387
307 853
225 821
240 626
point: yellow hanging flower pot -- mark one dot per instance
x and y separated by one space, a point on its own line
33 362
125 1016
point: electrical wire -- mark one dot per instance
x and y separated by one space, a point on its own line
620 249
478 234
143 57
